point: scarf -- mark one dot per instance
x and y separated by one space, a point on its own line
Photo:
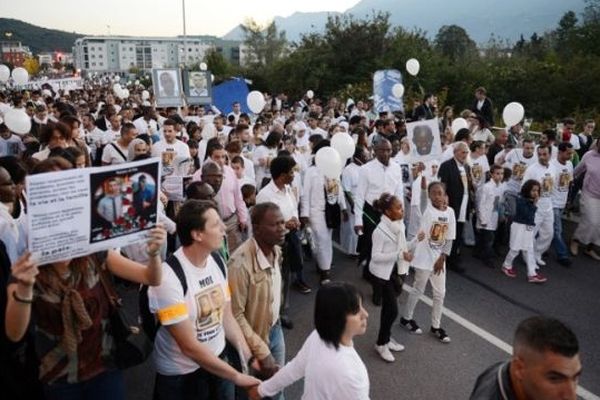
75 317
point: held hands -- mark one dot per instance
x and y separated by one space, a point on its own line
267 367
246 381
252 393
407 256
157 238
421 236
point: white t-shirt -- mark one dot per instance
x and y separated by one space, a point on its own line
563 178
329 374
479 168
180 148
488 205
439 226
203 305
13 146
546 177
518 164
111 156
483 135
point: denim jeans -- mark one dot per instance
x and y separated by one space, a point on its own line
277 348
558 241
197 385
107 385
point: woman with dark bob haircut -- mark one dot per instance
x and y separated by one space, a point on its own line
328 362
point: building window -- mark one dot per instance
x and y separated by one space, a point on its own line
93 64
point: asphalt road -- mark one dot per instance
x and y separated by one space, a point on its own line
428 369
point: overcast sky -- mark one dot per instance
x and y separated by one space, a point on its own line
157 17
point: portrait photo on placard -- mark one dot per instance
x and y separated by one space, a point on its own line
197 86
167 87
424 140
123 202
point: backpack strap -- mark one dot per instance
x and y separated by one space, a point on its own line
220 262
114 146
175 265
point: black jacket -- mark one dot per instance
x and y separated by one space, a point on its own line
487 110
494 384
422 112
450 176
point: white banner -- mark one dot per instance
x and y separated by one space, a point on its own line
82 211
65 83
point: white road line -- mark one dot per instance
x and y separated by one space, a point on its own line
487 336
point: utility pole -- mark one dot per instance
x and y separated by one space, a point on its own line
184 57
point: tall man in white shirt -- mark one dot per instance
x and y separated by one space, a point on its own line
171 143
544 173
117 151
378 176
279 191
560 192
146 123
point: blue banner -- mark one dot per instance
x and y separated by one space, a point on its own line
383 98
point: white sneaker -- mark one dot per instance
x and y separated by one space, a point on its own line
540 262
385 353
395 346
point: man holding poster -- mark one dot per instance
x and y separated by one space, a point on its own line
424 139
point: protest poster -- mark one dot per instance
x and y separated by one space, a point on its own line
174 165
197 86
81 211
167 87
424 139
174 186
383 98
64 83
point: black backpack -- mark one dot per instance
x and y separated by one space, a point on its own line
149 321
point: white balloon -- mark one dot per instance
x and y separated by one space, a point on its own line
513 113
203 67
343 143
413 66
20 75
329 162
310 94
4 73
398 90
117 87
256 101
117 78
137 82
145 95
17 121
124 93
458 124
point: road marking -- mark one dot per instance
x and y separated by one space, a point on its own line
487 336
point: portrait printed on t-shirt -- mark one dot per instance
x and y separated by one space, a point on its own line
547 185
476 173
437 233
518 171
564 180
210 303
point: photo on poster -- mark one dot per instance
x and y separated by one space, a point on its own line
123 202
197 86
424 140
167 87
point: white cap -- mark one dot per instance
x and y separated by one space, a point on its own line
300 126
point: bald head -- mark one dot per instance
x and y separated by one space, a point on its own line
213 175
383 150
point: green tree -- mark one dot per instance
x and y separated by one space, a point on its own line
454 42
263 45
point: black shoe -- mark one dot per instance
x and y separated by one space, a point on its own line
286 323
440 334
325 277
565 262
301 287
411 325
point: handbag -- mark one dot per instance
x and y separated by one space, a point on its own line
333 213
132 344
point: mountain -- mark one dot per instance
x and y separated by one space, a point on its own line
38 39
505 19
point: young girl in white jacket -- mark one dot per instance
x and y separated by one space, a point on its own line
390 259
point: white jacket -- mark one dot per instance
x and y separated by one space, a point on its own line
389 245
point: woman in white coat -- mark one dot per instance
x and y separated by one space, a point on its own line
322 206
